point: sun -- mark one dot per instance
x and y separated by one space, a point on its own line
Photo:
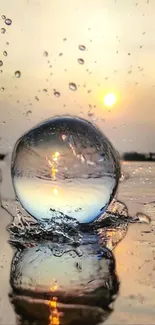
109 99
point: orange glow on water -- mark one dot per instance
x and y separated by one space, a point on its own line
54 313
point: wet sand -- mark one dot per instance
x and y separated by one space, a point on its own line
135 259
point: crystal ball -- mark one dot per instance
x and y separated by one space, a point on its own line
65 166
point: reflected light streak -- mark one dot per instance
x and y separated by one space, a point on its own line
52 164
55 156
54 313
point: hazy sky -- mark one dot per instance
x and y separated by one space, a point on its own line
119 57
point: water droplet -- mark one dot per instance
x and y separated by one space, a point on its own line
56 93
2 89
3 17
72 86
143 218
28 112
3 30
8 21
36 98
45 53
64 39
45 90
68 166
60 54
5 53
7 43
82 48
17 74
1 63
80 61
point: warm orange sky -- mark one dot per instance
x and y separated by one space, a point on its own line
119 57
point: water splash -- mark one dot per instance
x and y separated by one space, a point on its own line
17 74
3 30
82 47
56 93
80 61
8 21
72 86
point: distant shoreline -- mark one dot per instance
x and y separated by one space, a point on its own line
135 156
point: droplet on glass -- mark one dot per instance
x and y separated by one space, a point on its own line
8 21
82 48
5 53
36 98
68 166
60 54
3 30
3 17
45 53
1 63
17 74
28 112
2 89
7 43
56 94
72 86
80 61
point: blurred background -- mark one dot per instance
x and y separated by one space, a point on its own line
93 59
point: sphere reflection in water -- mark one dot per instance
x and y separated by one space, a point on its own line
65 166
76 285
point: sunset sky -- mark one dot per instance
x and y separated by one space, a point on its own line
119 58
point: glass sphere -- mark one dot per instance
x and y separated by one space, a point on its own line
65 167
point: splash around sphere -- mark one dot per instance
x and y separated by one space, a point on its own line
65 167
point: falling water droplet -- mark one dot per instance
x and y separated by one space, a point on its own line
80 61
45 53
1 63
3 30
17 74
72 86
5 53
68 166
8 21
82 48
56 94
